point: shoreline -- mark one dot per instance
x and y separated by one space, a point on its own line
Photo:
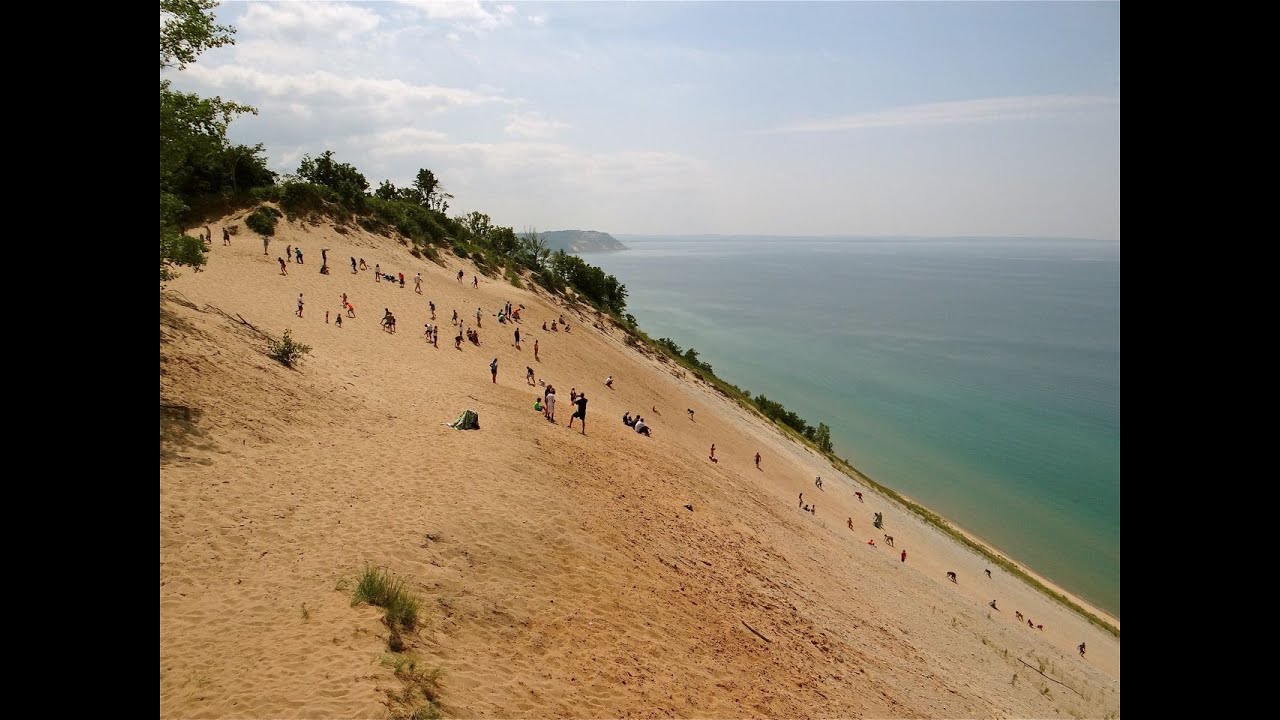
989 551
1040 544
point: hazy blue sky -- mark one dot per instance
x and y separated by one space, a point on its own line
903 118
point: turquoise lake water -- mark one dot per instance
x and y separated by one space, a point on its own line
979 376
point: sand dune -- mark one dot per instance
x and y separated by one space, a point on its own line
562 573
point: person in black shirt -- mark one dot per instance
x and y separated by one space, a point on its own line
581 402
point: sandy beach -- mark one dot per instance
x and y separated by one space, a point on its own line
562 574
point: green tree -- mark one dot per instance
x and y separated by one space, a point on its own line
477 223
425 183
195 156
386 191
343 178
823 438
187 29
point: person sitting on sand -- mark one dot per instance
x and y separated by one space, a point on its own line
872 542
363 265
544 326
626 419
642 428
537 403
608 382
993 605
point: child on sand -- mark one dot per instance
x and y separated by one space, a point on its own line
517 338
713 453
757 461
608 382
353 266
904 556
297 253
363 265
299 304
377 272
283 271
338 320
417 283
528 375
1081 649
535 349
226 237
288 252
432 304
401 279
326 317
493 368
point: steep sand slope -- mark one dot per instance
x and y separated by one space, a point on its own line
562 574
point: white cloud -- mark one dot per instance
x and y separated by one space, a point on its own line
349 94
533 125
311 18
954 113
402 137
453 37
538 19
467 14
634 169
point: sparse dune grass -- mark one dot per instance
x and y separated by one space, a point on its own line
377 586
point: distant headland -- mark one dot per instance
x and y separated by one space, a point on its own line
580 241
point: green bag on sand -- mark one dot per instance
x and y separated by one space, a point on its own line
468 420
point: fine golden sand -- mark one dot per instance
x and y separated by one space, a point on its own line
560 575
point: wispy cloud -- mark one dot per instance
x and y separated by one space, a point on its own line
332 19
537 19
533 125
632 168
356 93
470 15
959 112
